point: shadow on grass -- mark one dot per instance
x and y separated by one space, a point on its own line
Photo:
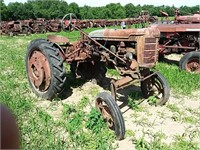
130 96
72 82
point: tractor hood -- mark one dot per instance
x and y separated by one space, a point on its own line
123 33
177 27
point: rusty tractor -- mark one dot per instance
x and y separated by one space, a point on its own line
147 18
181 37
13 28
132 52
54 25
195 18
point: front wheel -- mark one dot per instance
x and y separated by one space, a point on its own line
190 62
44 68
111 113
157 88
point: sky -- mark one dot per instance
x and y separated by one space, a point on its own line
98 3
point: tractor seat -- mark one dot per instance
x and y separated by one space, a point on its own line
57 39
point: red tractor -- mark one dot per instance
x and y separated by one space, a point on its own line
13 28
132 52
181 36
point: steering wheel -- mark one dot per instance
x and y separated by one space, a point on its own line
68 21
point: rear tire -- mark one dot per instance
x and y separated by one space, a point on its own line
190 62
45 70
111 113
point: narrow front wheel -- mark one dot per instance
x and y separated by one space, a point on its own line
156 87
111 113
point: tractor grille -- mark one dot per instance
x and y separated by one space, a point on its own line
150 51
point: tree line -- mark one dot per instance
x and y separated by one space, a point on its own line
55 9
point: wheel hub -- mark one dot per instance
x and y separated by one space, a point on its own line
105 113
39 71
193 65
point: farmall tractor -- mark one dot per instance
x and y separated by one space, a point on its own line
182 36
132 52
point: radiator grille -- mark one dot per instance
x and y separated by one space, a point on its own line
150 51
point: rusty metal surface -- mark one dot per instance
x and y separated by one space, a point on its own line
195 18
42 25
123 81
126 54
104 110
39 71
179 36
116 33
110 34
127 50
193 65
57 39
177 27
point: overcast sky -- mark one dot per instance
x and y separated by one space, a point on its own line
176 3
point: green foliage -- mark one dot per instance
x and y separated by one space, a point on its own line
131 10
74 8
3 10
141 144
157 143
152 100
113 72
95 121
179 80
84 102
74 124
173 108
67 111
52 9
182 144
120 13
134 100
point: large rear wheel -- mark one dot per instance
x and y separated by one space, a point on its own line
44 68
111 113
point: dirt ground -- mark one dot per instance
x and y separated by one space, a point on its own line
179 117
169 120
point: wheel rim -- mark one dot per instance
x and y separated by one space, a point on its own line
39 71
193 65
71 16
156 89
104 110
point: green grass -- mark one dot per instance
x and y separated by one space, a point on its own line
180 81
75 128
157 143
38 130
113 72
134 100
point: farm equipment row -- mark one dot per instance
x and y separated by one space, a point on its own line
41 25
27 27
